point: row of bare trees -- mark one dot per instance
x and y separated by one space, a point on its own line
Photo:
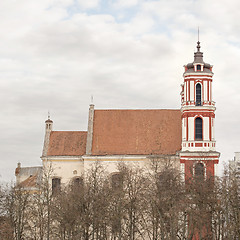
135 204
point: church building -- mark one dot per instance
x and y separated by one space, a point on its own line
185 136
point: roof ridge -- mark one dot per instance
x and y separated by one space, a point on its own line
140 109
69 131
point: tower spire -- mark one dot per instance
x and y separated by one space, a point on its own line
198 34
198 43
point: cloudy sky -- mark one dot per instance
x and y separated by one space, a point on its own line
55 54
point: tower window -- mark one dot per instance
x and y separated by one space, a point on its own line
198 67
199 171
198 129
198 94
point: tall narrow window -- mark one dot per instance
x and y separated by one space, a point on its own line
198 95
199 171
56 185
198 67
117 181
198 129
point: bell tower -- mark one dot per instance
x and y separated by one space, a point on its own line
198 155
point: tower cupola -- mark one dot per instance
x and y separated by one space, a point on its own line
49 124
198 65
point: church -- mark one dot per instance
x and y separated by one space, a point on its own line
185 136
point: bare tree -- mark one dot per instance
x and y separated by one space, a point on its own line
134 187
230 202
82 211
6 229
134 203
41 207
165 218
16 206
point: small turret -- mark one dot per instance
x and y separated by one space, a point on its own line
90 130
49 124
48 129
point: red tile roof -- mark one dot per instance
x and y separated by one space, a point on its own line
67 143
30 182
123 132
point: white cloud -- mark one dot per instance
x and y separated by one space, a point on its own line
125 3
139 25
86 4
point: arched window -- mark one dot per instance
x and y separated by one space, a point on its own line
198 94
199 171
198 129
77 182
56 185
117 181
198 67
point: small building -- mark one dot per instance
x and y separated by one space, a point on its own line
28 177
234 165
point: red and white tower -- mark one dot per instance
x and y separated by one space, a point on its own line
198 155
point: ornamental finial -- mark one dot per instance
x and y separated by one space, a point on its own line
198 43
